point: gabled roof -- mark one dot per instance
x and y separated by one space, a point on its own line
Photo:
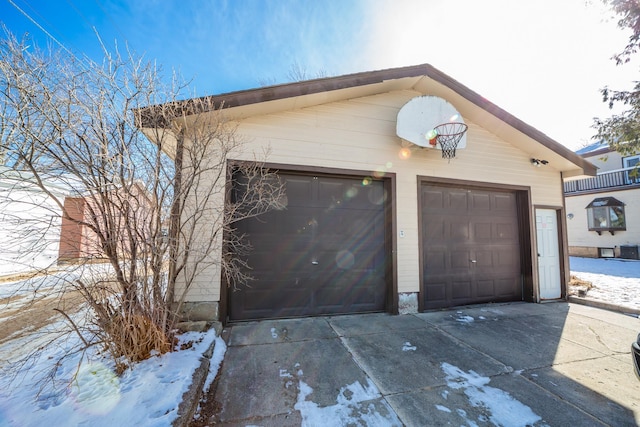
599 147
604 201
424 79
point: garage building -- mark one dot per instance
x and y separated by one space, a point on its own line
381 220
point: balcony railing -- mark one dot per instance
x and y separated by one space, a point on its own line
606 180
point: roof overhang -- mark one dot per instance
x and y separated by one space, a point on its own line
604 202
421 79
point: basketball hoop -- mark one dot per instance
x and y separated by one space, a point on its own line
448 135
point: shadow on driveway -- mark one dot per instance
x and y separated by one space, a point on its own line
512 364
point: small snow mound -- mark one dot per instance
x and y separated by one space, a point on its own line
285 374
443 408
465 319
408 347
274 333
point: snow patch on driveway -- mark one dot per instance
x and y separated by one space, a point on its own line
463 318
408 347
354 406
501 408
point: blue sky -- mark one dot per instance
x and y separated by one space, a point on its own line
544 61
224 45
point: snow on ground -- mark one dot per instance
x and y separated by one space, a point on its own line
149 394
615 281
54 282
500 407
353 406
25 288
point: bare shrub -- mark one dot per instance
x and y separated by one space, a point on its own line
141 182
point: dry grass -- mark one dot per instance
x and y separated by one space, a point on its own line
135 337
131 332
576 281
579 287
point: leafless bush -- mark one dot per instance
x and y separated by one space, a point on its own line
133 178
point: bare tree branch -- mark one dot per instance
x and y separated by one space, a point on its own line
134 178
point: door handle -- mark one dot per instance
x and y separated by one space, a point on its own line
314 262
473 261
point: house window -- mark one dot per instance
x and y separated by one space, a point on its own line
632 176
606 214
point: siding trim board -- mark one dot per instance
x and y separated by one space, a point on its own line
526 222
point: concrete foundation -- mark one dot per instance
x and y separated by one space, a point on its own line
583 251
407 302
593 252
207 311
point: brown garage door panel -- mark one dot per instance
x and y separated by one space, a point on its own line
436 292
471 248
486 288
326 253
356 291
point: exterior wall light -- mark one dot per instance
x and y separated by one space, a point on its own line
537 162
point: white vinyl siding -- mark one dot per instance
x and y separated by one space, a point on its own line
606 162
360 134
577 226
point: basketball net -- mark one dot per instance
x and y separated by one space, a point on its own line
448 135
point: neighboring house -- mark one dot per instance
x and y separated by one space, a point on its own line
603 212
130 210
376 222
29 222
36 235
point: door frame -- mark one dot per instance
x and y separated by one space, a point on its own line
562 250
391 244
525 229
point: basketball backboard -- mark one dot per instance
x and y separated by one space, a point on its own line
418 117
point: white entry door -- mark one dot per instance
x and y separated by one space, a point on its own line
548 254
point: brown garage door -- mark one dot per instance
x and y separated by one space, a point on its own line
470 246
324 254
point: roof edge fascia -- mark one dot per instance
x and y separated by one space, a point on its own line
327 84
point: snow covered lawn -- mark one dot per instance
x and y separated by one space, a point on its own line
615 281
50 390
148 395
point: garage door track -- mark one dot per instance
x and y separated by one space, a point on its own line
513 365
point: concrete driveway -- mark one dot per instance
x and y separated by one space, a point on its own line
554 364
